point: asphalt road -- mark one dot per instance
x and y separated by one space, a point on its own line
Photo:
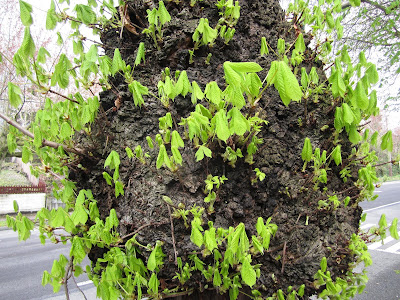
384 280
22 265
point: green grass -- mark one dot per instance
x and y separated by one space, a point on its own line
387 178
3 223
12 178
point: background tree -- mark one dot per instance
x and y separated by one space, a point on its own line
374 27
218 161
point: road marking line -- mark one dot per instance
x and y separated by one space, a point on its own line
382 206
394 248
383 250
376 245
366 226
84 283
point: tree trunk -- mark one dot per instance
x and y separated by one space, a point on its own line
306 233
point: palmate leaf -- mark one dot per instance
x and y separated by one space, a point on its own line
360 97
162 13
28 45
338 86
183 84
238 124
14 94
306 153
25 13
138 90
284 81
51 17
248 273
221 125
393 229
387 141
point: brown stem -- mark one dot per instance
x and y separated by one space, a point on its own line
63 96
283 258
173 235
69 269
385 163
83 294
144 226
44 142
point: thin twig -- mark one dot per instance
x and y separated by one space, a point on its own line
84 296
63 96
385 163
44 142
69 269
144 226
173 235
283 258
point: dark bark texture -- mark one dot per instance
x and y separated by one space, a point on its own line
305 233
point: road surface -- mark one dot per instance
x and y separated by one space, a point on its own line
22 265
384 276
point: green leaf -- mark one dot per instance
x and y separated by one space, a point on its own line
26 154
393 229
360 97
248 273
140 54
107 177
374 139
354 135
163 13
243 67
51 17
25 13
154 283
285 82
176 155
77 249
163 158
338 86
196 237
323 264
15 206
210 241
28 45
119 189
281 46
238 124
300 46
264 47
372 74
197 94
348 115
85 14
382 221
203 150
217 278
329 20
176 140
183 84
14 94
306 153
117 62
234 95
337 155
213 92
65 130
221 125
79 216
387 141
138 90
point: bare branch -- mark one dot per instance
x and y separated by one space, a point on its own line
44 142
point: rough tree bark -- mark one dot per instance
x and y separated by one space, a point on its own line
305 233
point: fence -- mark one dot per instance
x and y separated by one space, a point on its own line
40 188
